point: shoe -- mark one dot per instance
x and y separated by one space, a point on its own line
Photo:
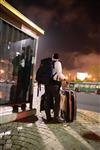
23 107
58 120
46 121
15 109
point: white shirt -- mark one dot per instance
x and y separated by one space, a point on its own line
57 71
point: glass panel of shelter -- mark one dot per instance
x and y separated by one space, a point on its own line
16 68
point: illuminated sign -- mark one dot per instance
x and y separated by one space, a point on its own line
82 75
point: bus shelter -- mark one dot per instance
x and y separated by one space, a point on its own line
18 50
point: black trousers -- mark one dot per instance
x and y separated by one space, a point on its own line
52 92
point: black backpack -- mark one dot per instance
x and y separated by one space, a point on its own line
44 74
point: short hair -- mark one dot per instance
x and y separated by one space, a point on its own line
56 56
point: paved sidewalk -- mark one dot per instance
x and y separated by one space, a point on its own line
33 134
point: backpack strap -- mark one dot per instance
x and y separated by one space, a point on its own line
38 89
54 74
53 62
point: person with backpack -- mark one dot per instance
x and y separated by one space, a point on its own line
50 74
53 89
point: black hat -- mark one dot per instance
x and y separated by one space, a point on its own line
56 56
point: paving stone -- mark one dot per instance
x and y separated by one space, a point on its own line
24 135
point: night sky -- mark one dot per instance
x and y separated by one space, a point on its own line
72 28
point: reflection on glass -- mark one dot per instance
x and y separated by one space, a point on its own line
16 52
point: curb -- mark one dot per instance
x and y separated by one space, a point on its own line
90 114
16 116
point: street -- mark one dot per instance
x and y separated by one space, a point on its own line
89 101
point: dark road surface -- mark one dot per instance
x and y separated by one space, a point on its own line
88 101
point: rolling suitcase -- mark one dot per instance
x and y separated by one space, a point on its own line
68 105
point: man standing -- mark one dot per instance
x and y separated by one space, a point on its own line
52 90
